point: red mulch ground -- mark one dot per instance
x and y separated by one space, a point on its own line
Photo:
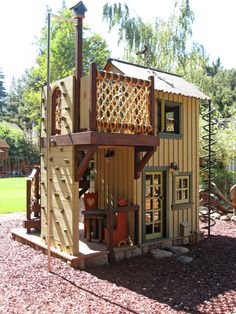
138 285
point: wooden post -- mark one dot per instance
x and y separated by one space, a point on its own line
152 103
136 217
109 218
79 10
28 194
48 116
78 71
93 104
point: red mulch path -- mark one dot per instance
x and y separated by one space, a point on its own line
138 285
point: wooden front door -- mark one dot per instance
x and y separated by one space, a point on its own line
153 204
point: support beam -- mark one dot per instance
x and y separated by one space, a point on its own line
84 185
84 163
139 163
105 139
152 104
93 103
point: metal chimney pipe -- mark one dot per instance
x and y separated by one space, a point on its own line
79 10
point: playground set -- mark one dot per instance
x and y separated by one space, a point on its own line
119 151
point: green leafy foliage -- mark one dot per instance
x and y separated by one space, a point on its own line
2 94
166 45
225 145
163 42
222 88
20 146
23 104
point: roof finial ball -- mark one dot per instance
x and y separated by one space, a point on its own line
79 10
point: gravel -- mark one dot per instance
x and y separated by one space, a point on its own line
142 284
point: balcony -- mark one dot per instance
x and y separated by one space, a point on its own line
116 103
113 109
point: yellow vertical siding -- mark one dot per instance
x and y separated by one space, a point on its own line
118 175
184 152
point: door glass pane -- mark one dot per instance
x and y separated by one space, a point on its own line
148 191
157 190
148 180
149 229
157 179
149 187
148 204
156 216
148 217
157 227
151 191
157 203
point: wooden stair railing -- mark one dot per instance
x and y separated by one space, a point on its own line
33 210
28 167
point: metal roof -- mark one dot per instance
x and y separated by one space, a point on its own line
164 81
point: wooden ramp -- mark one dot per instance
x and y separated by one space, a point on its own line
90 253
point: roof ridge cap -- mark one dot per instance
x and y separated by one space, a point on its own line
142 66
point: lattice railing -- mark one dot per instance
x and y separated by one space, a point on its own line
123 104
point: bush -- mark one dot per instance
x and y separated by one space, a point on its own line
222 178
20 147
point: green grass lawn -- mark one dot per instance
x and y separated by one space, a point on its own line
12 195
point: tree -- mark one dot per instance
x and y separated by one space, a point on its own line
194 67
62 65
222 88
161 44
14 103
2 94
63 49
213 69
223 152
20 146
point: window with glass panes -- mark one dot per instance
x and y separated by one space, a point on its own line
182 189
168 117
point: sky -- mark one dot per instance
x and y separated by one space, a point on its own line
21 21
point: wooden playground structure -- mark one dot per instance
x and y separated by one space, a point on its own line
119 148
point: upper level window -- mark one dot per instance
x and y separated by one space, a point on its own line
168 117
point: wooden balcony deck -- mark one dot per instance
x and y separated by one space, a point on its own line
103 139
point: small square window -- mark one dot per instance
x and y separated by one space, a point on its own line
168 117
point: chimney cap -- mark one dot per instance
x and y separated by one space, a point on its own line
79 9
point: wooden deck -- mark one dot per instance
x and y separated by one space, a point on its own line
88 251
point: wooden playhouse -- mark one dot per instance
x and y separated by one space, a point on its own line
124 142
